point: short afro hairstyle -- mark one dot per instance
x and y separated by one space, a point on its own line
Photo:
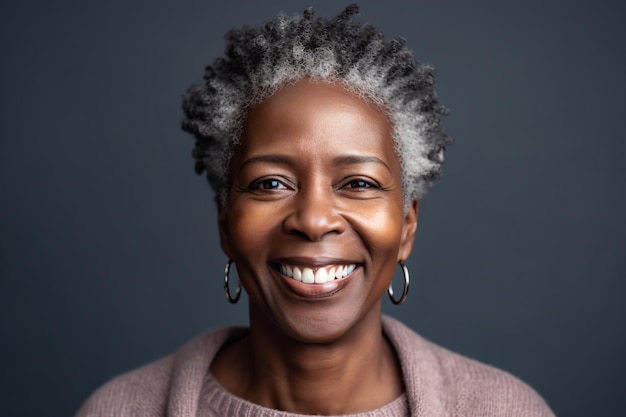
259 61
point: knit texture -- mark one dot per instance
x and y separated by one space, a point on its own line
438 383
217 401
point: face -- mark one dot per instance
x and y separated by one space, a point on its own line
315 222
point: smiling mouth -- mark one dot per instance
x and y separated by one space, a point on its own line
321 275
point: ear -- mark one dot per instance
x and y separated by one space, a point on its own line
409 228
222 220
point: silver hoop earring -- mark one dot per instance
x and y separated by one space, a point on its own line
405 292
232 300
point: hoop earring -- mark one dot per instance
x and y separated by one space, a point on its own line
232 300
405 291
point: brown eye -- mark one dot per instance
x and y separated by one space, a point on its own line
356 184
268 184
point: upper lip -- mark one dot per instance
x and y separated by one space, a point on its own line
313 262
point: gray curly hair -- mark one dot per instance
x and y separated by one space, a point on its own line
259 61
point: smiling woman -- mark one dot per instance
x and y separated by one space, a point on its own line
319 137
316 189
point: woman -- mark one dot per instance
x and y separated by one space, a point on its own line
319 139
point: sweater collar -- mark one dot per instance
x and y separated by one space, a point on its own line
422 380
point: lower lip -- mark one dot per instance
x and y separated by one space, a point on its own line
317 291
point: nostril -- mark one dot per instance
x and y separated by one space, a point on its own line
313 226
301 234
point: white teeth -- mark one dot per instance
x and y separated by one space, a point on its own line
339 273
317 276
331 274
297 274
307 276
321 276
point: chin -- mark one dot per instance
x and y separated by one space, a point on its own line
329 327
318 331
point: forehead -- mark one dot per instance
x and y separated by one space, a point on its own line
315 116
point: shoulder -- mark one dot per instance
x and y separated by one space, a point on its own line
488 390
174 381
133 393
445 380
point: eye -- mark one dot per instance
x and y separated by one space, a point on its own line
357 184
266 184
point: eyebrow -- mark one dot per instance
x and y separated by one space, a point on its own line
340 160
360 159
273 158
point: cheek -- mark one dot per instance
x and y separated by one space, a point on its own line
250 229
250 234
381 230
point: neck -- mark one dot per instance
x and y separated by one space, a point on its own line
356 373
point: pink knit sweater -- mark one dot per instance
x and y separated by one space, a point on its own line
438 383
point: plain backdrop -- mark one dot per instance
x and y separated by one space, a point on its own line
110 257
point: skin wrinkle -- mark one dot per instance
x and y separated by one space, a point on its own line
302 348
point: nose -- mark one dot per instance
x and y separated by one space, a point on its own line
314 214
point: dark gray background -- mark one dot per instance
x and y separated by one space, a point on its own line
110 256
